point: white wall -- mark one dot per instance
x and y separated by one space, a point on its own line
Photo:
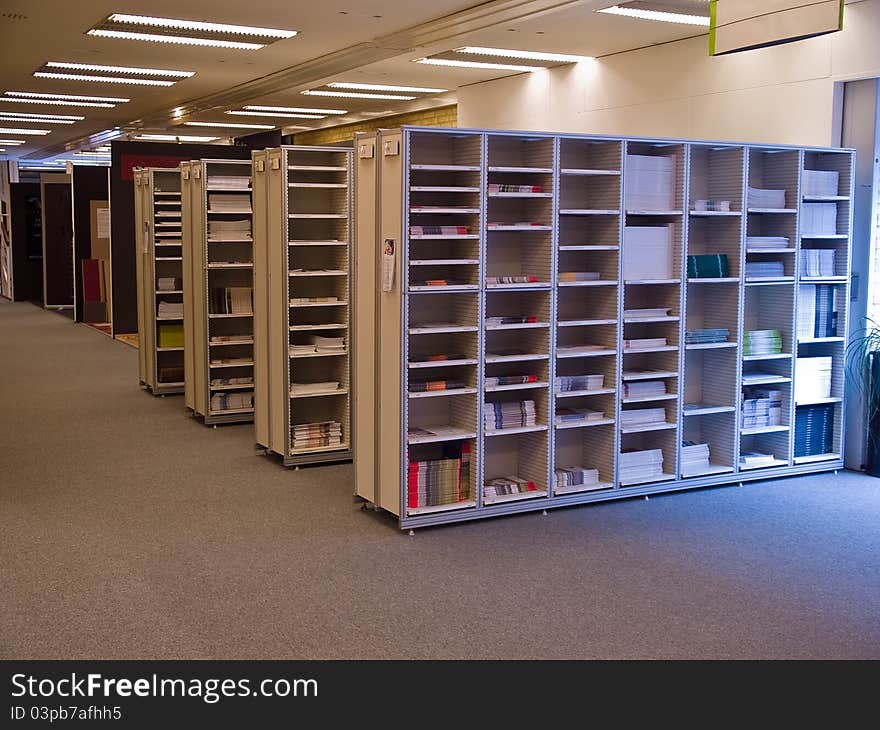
783 94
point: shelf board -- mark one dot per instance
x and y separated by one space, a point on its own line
444 289
329 272
584 393
444 262
772 210
444 329
519 496
169 349
230 240
818 402
318 354
824 236
492 228
564 425
338 391
715 213
764 429
715 280
712 469
768 380
317 243
518 326
638 282
585 353
515 386
578 488
824 198
639 320
588 211
316 185
823 279
169 258
441 363
442 393
510 168
820 340
164 193
241 265
816 457
443 237
771 250
443 189
710 345
169 319
308 305
452 434
586 171
776 462
168 245
170 385
773 356
320 449
464 504
320 168
318 216
239 386
584 322
644 428
666 348
169 291
654 374
595 282
491 359
237 315
707 410
765 280
654 212
520 195
647 480
532 285
415 210
313 327
230 411
445 168
241 211
246 364
231 343
650 398
589 247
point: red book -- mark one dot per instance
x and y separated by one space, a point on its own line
91 280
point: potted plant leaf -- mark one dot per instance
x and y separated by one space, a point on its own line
863 376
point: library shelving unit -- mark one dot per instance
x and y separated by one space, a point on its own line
302 293
159 266
218 291
544 320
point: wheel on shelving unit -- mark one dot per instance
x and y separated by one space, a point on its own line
412 533
544 512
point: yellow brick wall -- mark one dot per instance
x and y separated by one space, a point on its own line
443 116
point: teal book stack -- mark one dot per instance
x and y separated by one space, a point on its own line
708 266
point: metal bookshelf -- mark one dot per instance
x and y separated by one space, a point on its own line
159 259
219 288
302 297
554 213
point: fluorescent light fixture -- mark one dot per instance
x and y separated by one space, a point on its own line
193 33
69 97
231 125
174 138
477 64
34 132
41 117
104 79
664 17
59 102
277 115
296 109
357 95
12 142
12 119
385 87
527 55
122 69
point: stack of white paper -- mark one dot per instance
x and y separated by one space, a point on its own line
328 344
229 230
645 343
694 458
647 252
644 388
229 201
764 198
229 182
649 182
817 261
763 409
767 242
817 183
637 466
642 417
818 219
813 380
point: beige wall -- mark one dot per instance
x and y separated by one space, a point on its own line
784 94
443 116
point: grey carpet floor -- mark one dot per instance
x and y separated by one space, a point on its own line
129 530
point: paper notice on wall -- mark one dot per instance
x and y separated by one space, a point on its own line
103 222
388 265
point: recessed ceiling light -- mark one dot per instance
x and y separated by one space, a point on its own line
664 17
34 132
44 118
69 97
385 87
477 64
13 119
297 109
174 138
105 79
12 142
170 73
231 125
356 95
528 55
59 102
187 32
278 115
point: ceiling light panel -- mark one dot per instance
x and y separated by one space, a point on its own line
357 95
69 97
231 125
477 64
526 55
17 119
297 109
276 115
634 10
385 87
41 117
187 32
11 142
174 138
103 79
32 132
158 72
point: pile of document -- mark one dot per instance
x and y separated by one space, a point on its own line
649 183
328 344
712 205
813 380
498 416
569 383
498 321
229 230
328 386
226 202
170 309
432 482
694 458
430 386
762 342
570 276
574 415
640 466
708 266
223 382
755 459
817 311
171 335
580 349
506 188
438 230
497 380
235 401
501 486
232 339
642 417
647 252
761 408
645 343
244 360
764 242
813 430
817 261
818 219
575 476
169 283
644 388
512 279
299 301
229 182
231 300
645 313
762 198
706 336
765 269
819 183
317 435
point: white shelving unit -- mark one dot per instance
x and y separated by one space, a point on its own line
302 298
159 241
606 321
